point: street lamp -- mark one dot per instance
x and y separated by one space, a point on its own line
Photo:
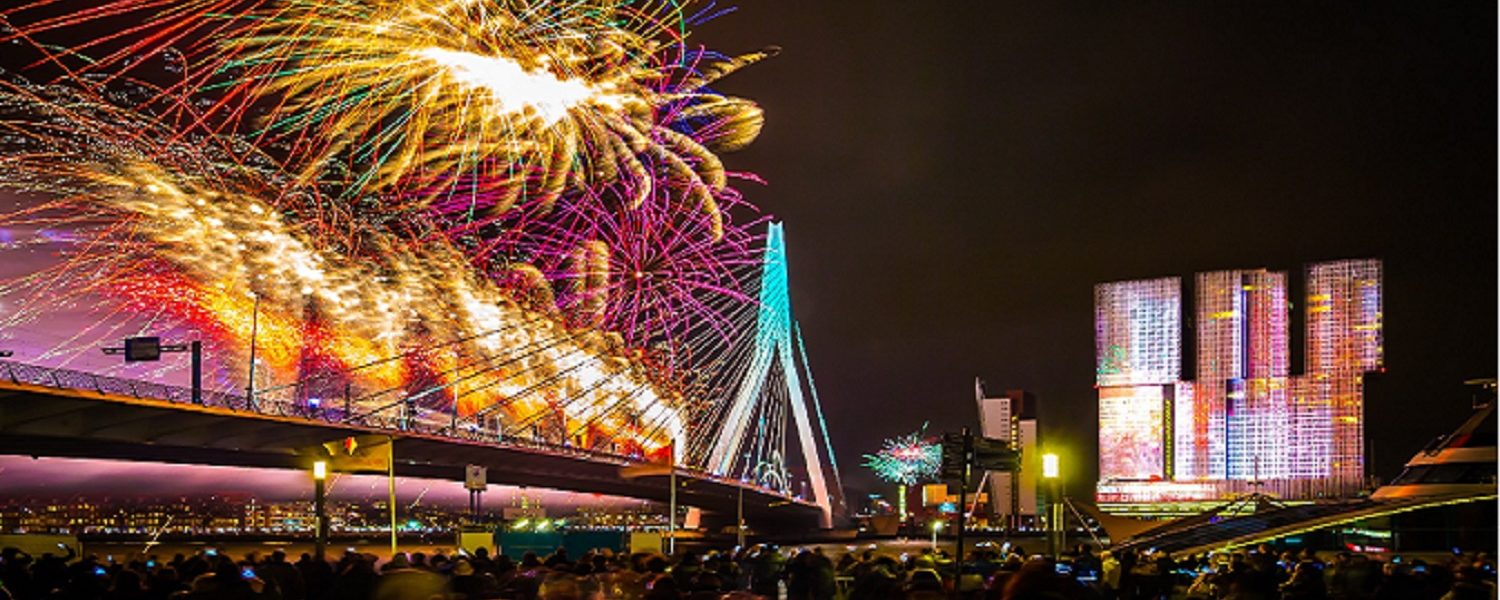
936 527
320 507
1052 472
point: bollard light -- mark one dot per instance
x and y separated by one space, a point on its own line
320 470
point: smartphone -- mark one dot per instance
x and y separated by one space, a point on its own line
1064 569
247 573
1419 569
210 551
99 571
150 564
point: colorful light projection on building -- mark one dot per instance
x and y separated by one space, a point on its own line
1137 327
1130 426
1244 423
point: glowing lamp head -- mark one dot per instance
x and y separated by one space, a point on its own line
937 525
320 470
1050 469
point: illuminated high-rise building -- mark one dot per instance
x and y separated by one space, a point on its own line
1344 341
1244 423
1242 368
1138 340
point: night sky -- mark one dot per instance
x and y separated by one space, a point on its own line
955 178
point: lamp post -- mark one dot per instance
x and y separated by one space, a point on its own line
320 507
936 527
1053 474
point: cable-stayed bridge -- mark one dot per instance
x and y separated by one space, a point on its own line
742 413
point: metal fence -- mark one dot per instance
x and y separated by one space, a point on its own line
398 416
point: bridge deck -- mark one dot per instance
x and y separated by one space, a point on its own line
56 412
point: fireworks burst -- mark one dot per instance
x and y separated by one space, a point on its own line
198 235
500 207
477 104
907 460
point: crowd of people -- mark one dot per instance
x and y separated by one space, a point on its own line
1264 573
765 571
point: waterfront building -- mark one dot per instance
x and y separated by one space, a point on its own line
1244 422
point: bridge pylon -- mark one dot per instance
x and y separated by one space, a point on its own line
761 400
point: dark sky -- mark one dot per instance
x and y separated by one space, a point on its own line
955 178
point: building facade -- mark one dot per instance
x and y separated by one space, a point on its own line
1244 422
1011 416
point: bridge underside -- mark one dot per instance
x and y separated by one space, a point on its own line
39 421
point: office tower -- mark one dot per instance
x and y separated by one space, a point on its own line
1344 341
1138 340
1011 416
1242 370
1244 423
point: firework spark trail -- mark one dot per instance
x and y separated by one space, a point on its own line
473 104
196 237
443 100
653 274
390 176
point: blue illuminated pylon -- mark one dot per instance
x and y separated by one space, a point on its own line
773 343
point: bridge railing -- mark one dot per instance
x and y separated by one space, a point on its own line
69 379
395 417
